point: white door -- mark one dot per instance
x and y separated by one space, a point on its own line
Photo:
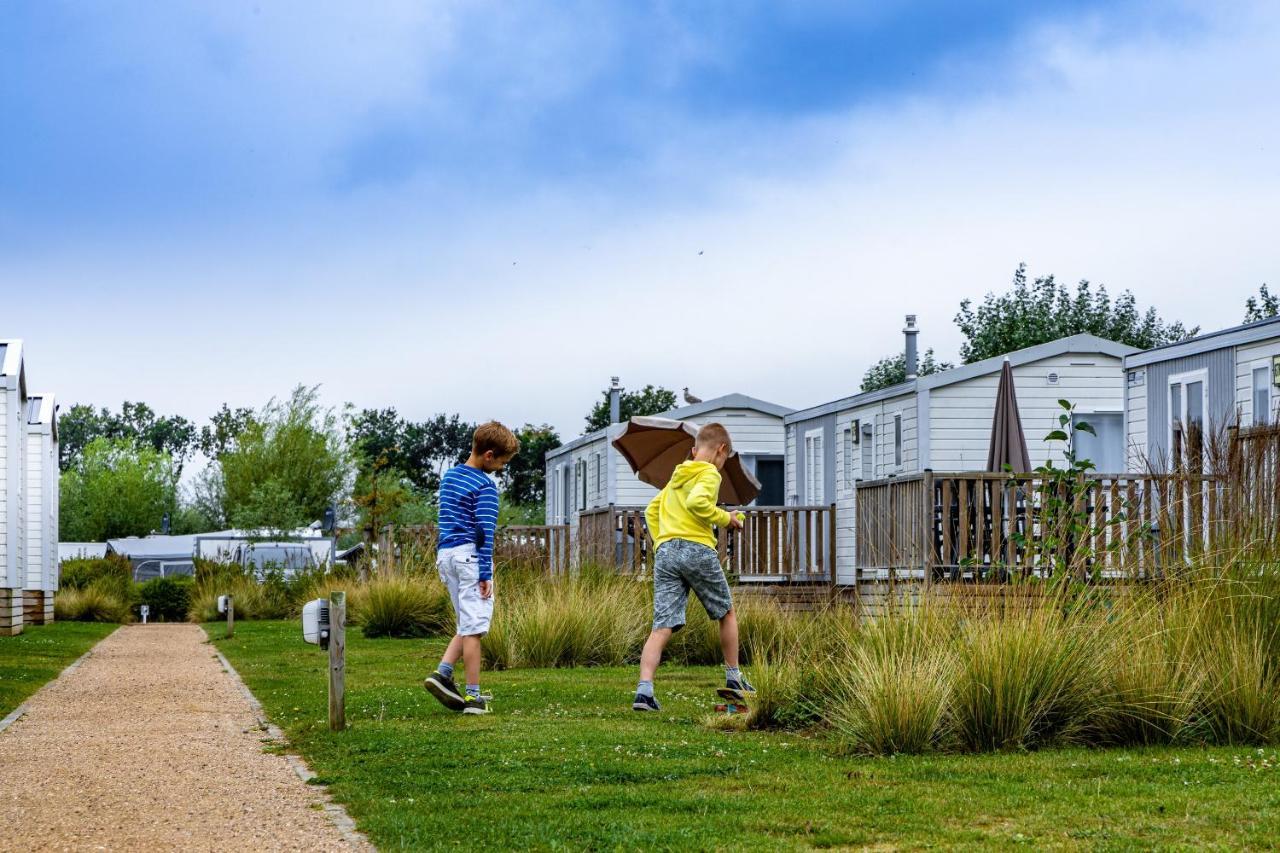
813 474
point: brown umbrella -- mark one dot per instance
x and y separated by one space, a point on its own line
1008 444
653 447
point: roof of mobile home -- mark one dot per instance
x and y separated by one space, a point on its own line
728 401
1234 336
1061 346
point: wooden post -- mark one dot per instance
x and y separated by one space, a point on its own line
231 617
337 660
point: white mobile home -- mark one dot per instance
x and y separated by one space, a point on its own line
942 422
42 508
13 505
1209 382
588 473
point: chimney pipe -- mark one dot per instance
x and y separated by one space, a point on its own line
615 401
910 333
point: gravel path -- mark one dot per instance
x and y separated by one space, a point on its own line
149 744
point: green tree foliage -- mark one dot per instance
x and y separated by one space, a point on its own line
649 400
1263 306
116 488
525 474
1035 313
172 435
892 370
420 451
286 467
220 434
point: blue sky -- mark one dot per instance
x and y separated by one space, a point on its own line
492 207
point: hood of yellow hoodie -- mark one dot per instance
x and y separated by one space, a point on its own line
690 470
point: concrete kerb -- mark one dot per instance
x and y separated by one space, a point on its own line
335 811
16 713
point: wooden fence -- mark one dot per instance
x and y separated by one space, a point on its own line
988 526
544 547
792 543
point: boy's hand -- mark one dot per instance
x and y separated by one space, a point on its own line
486 589
735 520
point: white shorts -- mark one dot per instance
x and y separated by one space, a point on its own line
460 570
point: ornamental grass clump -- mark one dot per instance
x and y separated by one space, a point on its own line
1028 676
892 689
94 603
401 607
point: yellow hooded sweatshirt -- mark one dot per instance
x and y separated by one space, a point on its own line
686 508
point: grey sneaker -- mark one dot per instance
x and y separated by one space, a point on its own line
442 687
645 703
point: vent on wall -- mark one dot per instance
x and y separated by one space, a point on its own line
1052 379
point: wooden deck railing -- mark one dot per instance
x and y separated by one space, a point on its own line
544 547
775 543
981 525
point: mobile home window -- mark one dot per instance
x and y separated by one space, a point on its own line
1186 415
897 441
813 467
848 458
868 445
1261 395
599 473
582 479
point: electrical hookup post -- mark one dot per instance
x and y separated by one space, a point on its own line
337 660
324 623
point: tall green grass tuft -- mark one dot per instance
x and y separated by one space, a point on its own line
892 691
401 607
94 603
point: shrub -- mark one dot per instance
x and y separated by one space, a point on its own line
402 607
893 688
1025 679
169 598
1241 696
253 600
94 603
112 572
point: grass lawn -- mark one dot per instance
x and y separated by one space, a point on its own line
564 762
39 653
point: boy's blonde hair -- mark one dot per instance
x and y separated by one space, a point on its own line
496 437
712 435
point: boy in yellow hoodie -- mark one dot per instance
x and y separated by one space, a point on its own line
680 519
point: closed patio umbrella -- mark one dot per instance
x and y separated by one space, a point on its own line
653 447
1008 443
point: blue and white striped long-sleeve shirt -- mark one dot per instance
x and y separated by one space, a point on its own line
469 513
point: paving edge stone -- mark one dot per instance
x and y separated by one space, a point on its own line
17 713
335 811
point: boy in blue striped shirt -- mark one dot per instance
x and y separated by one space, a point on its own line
468 522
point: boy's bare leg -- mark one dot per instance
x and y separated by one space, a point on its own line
729 638
453 651
471 657
651 655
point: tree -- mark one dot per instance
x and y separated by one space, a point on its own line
420 451
173 435
118 487
286 467
892 370
1031 314
1264 306
525 474
220 434
650 400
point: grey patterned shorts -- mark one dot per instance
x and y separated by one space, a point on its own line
679 566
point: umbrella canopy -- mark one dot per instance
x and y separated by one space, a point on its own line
653 447
1008 443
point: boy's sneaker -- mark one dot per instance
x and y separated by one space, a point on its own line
475 705
442 687
645 703
740 689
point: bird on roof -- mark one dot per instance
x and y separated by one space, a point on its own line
689 398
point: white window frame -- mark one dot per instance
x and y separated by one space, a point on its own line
1265 370
599 473
813 459
897 441
867 446
1184 379
849 444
